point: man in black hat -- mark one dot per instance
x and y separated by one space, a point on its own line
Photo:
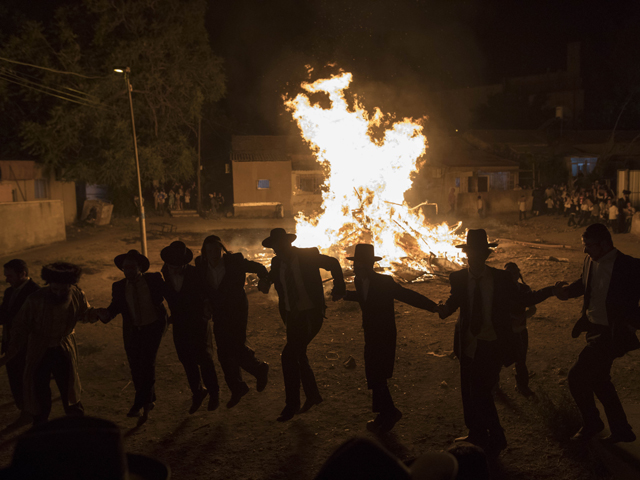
45 327
296 274
138 297
16 273
192 331
376 294
610 285
222 276
484 339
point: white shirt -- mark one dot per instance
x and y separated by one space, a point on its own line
216 274
613 212
304 302
487 333
600 280
176 279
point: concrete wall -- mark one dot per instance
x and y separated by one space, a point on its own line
29 224
245 183
496 201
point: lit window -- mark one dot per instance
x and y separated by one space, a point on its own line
263 184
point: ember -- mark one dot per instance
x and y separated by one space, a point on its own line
363 194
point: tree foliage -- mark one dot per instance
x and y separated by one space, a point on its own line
88 137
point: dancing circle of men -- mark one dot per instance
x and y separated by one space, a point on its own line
38 338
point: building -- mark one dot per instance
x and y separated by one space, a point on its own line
274 176
26 181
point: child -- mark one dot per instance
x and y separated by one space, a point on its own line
480 205
522 207
376 294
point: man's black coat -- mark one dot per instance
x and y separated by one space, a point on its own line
506 298
310 261
157 290
229 300
621 303
7 314
379 322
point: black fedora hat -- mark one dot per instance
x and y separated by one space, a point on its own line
276 236
141 260
79 447
477 240
176 254
364 253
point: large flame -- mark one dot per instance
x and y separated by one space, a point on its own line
363 193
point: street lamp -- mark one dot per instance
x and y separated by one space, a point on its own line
143 229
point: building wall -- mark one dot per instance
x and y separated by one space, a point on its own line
29 224
245 183
496 201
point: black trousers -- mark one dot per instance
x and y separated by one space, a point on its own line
194 346
522 372
381 398
15 372
478 377
591 375
141 345
55 362
523 215
233 352
302 327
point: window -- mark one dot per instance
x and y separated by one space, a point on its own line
263 184
40 188
310 183
457 182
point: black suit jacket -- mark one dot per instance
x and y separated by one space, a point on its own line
229 300
187 304
506 298
7 314
157 290
379 323
621 303
311 261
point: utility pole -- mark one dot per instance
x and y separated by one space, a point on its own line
199 165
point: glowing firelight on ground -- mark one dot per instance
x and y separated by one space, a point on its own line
363 197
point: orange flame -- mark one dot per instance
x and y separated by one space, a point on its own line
363 193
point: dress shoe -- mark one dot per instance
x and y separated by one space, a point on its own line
587 432
308 403
145 413
134 411
214 402
237 395
384 422
626 436
525 391
196 400
262 377
474 438
287 413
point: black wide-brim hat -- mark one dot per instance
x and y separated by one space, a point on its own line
276 236
79 447
364 253
476 240
176 254
141 260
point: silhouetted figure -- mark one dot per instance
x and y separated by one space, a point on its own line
610 285
16 274
376 294
363 459
222 275
484 340
138 298
192 330
45 326
79 448
519 317
296 274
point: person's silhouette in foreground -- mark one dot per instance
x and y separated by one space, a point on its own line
296 275
376 294
610 285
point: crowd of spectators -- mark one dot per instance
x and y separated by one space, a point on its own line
585 205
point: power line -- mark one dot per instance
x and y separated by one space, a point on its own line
48 69
91 98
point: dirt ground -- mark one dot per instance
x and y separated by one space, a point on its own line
246 442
